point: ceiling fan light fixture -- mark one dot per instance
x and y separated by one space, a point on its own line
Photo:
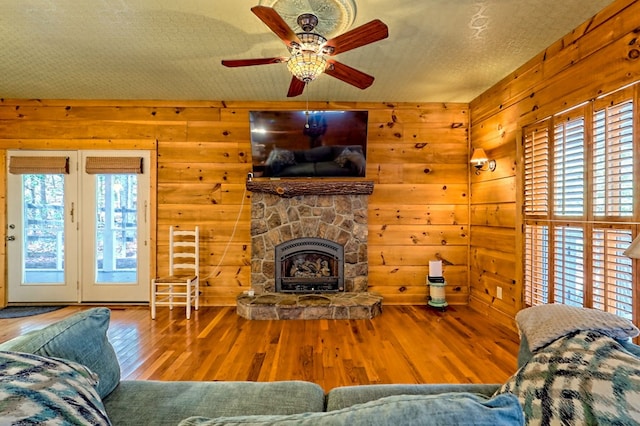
310 42
308 50
306 66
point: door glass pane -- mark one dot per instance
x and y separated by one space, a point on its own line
43 219
116 228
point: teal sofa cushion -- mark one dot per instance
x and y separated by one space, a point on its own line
37 390
446 409
82 338
136 402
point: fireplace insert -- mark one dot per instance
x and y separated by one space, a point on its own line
309 265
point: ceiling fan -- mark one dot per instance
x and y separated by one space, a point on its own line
309 50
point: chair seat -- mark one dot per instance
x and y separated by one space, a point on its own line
173 279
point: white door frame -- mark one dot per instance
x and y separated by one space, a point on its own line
79 241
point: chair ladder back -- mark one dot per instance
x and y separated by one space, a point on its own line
184 250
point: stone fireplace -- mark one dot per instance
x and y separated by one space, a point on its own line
309 251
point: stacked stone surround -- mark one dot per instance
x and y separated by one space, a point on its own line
339 218
280 213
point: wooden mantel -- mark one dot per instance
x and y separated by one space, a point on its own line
288 188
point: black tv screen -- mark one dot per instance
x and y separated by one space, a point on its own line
290 144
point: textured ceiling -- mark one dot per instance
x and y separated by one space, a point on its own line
437 50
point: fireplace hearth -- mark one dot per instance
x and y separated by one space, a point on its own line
309 265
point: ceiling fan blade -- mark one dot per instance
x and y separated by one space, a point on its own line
296 87
248 62
349 75
274 21
360 36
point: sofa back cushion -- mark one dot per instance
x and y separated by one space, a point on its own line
449 409
82 338
159 402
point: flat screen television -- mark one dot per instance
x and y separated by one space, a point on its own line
301 144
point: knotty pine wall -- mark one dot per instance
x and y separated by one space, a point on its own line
599 56
417 157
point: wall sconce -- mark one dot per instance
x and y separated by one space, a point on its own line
481 162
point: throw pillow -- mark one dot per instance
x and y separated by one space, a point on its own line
544 323
82 338
343 157
41 390
352 158
582 378
450 409
280 159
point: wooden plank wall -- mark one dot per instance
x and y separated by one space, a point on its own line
417 157
599 56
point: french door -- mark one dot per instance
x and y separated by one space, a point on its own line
78 226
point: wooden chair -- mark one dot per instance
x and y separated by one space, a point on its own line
181 286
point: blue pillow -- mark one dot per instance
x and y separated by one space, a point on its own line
451 409
82 338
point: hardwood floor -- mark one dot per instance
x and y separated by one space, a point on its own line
406 344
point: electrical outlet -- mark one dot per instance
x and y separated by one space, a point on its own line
499 292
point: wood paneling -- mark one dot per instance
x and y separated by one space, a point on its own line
417 158
594 59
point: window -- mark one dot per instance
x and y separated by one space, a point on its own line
612 273
613 161
536 265
580 208
569 167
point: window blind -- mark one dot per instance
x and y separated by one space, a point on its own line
536 265
536 170
612 272
113 165
39 165
569 168
613 161
568 265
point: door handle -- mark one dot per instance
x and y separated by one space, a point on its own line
11 238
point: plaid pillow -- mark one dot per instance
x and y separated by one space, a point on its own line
40 390
583 378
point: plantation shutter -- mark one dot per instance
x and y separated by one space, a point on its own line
39 165
113 165
579 206
613 161
612 272
536 265
569 167
536 170
568 265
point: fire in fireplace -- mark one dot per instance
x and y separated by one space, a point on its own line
309 265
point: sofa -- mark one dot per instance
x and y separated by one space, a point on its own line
68 373
321 161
